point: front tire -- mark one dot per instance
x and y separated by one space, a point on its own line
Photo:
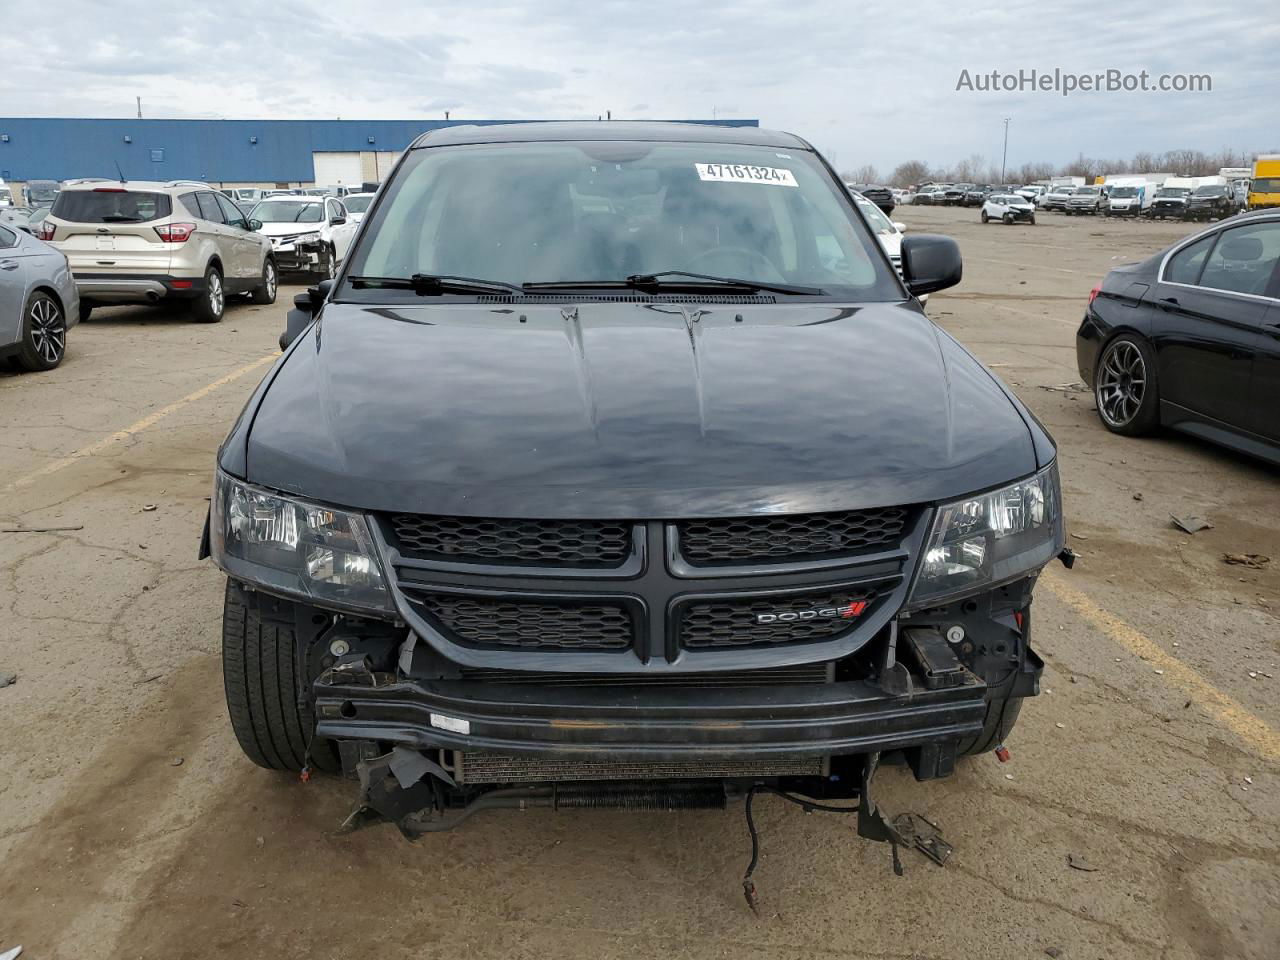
1002 714
985 218
210 306
1125 387
1008 219
86 310
44 334
325 268
265 292
259 674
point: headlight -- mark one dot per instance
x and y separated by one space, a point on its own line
307 238
302 549
983 541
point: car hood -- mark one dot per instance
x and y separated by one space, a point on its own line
630 410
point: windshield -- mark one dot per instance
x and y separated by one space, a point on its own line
1086 191
875 216
1210 190
603 211
1266 185
288 211
42 191
358 202
1122 192
1173 191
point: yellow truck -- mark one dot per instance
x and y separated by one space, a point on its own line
1265 189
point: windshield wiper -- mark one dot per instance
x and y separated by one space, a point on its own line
681 280
430 285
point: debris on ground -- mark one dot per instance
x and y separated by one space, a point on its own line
1137 496
148 507
1054 952
1077 862
1191 523
1081 536
176 762
7 679
1255 560
78 526
1074 387
11 954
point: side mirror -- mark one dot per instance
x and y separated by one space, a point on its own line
930 262
306 306
255 225
337 221
899 226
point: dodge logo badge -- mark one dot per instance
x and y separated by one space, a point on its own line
847 611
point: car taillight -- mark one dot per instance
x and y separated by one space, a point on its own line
1093 294
175 232
46 230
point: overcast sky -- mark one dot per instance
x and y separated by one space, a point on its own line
865 86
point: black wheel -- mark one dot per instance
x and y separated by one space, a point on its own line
1002 714
86 309
1033 220
985 218
44 334
209 307
1007 218
1125 387
265 292
260 678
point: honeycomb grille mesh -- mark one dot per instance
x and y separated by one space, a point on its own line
567 543
481 621
733 623
783 538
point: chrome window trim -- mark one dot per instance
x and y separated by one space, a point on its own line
1194 238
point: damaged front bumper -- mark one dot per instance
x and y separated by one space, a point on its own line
656 725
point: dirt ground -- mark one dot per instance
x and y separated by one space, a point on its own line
131 826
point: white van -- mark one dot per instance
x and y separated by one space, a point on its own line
1130 196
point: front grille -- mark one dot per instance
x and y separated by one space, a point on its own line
486 768
804 673
790 538
529 625
562 543
733 622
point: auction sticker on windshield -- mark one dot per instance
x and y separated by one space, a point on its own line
745 173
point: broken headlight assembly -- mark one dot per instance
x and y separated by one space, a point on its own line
989 539
296 548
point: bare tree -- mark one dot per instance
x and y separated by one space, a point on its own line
863 174
909 173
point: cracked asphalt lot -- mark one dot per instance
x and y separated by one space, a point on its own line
1151 753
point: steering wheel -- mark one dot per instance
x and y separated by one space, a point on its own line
733 256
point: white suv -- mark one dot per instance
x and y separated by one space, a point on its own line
311 234
144 242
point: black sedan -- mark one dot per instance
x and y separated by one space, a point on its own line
882 197
1190 339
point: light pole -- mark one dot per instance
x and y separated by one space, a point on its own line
1004 157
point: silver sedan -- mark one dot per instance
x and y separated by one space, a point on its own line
38 301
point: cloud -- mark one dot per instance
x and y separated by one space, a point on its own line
865 88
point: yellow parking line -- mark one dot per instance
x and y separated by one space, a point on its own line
1228 711
148 421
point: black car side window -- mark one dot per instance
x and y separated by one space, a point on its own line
7 238
1244 259
1185 265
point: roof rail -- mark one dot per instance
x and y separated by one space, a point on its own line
188 183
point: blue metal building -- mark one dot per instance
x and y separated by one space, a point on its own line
217 151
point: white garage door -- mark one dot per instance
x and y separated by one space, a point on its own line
337 169
383 161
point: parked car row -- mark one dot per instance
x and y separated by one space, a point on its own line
107 242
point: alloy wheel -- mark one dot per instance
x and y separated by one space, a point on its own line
1122 383
216 299
270 280
48 330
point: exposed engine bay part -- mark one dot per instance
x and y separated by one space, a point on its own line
412 791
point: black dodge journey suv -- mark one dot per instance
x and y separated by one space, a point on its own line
618 467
